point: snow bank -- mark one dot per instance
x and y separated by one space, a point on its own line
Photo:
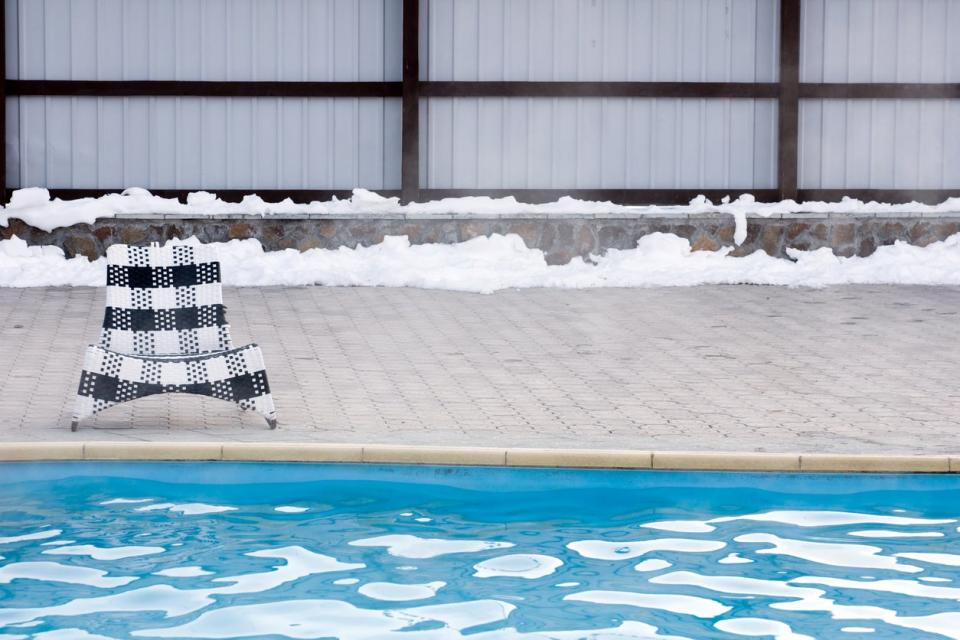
484 265
35 207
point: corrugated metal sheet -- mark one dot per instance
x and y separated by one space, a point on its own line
216 143
477 142
204 39
880 41
905 144
598 142
616 40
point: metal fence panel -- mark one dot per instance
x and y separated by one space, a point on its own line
532 143
611 40
216 143
285 40
880 41
902 144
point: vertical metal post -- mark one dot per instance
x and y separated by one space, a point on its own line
410 120
3 102
789 104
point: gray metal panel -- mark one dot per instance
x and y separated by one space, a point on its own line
343 40
614 40
904 144
880 41
598 143
215 143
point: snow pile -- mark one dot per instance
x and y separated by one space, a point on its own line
34 206
487 264
33 266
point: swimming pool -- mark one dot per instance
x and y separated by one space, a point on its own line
222 550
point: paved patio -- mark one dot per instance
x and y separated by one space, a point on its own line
848 369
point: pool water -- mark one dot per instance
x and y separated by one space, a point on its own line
227 550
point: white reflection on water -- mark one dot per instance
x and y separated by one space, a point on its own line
734 558
607 550
300 563
760 627
675 603
331 618
654 564
946 559
396 592
627 630
183 572
188 509
529 566
37 535
55 572
829 518
901 587
407 546
68 634
810 599
680 526
104 553
883 533
159 597
836 554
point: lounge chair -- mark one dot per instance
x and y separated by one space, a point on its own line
165 331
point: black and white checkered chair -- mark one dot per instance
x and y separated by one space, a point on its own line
165 331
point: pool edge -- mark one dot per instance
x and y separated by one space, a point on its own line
480 456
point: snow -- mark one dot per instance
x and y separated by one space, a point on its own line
34 206
488 264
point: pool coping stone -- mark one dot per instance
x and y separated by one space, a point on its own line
479 456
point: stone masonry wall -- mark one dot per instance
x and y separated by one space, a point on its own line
561 237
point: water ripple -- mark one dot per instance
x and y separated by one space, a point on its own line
151 559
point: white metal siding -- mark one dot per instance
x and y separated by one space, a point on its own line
598 143
267 143
880 41
904 144
614 40
317 40
215 143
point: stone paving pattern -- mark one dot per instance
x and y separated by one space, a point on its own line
560 237
856 369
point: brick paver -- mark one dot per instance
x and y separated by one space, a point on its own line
846 369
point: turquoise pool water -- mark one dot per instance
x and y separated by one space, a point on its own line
227 550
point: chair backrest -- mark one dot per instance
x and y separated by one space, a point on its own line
164 301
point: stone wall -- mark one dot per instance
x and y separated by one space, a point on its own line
560 236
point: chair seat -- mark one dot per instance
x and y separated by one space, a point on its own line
236 375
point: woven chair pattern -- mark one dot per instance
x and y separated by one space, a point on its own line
165 331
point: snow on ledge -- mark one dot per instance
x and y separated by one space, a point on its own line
488 264
34 206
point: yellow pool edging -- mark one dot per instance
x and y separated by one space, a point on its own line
487 456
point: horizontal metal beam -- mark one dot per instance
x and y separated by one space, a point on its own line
227 195
617 196
925 196
124 88
879 90
599 89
